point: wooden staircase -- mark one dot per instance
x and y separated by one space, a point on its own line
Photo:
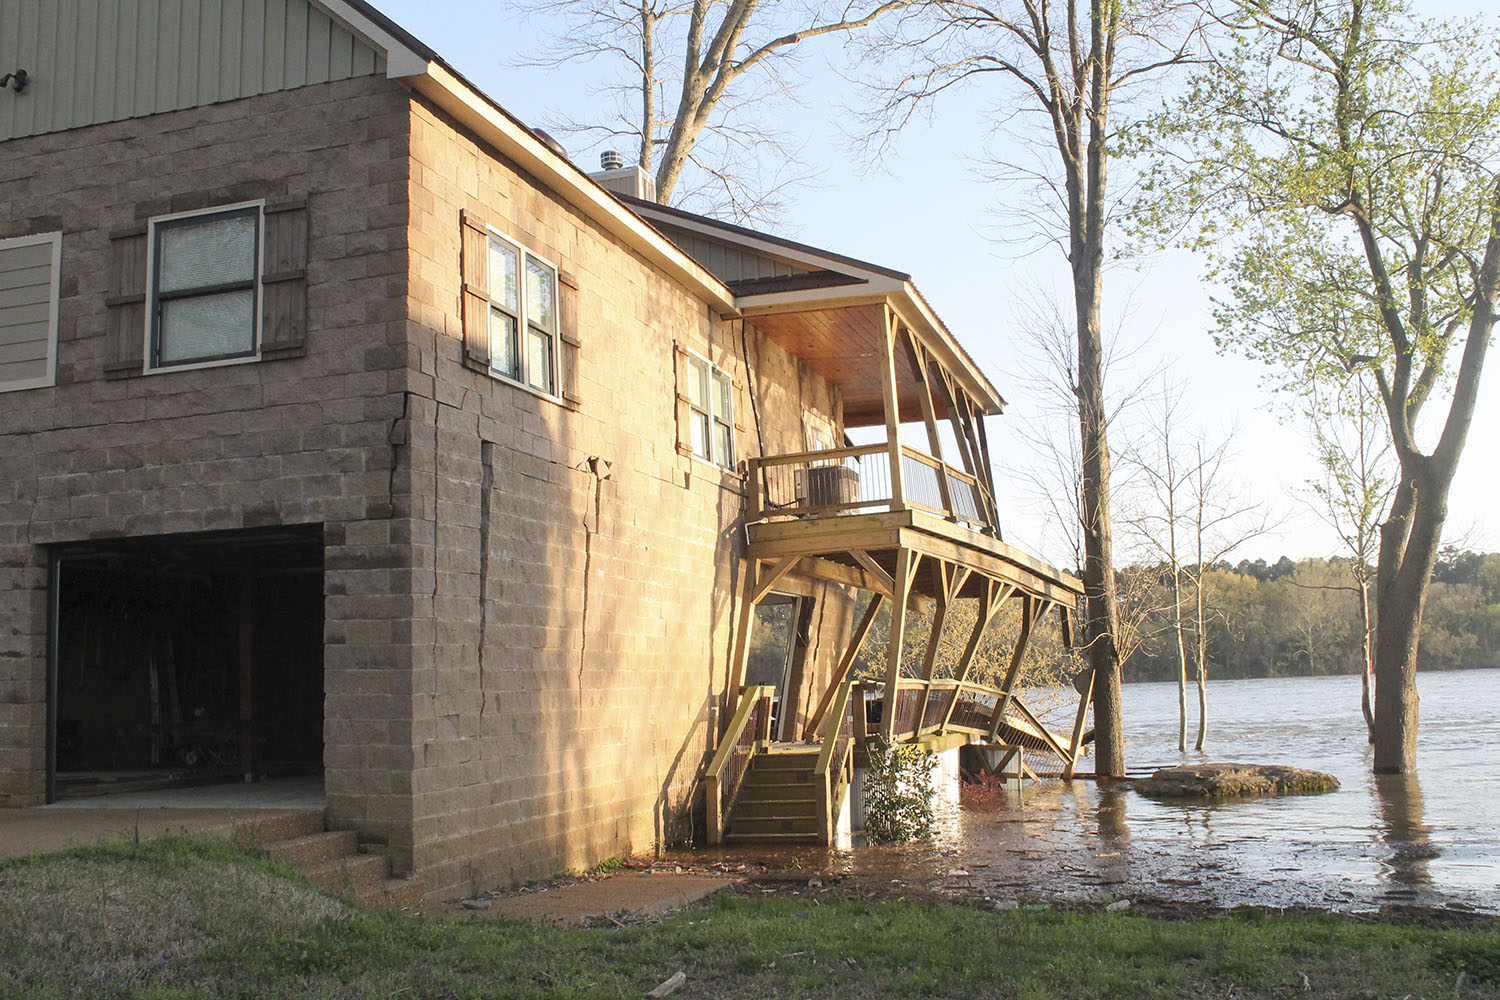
778 799
332 860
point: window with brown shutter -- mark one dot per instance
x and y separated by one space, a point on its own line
284 283
214 286
520 314
125 327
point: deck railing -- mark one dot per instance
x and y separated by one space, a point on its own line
937 706
858 480
749 729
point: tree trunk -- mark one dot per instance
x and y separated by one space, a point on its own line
1098 539
1182 665
1202 656
1408 545
1367 675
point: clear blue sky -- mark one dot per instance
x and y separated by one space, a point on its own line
927 209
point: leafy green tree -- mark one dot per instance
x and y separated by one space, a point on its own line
1346 153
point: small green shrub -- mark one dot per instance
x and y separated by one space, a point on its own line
898 794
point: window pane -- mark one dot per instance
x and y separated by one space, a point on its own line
207 326
504 356
541 295
217 251
505 275
723 444
698 383
721 396
539 360
700 434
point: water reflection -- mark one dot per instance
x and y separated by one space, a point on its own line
1402 828
1111 816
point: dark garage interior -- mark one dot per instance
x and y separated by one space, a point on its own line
187 659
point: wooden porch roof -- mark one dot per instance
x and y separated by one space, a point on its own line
828 310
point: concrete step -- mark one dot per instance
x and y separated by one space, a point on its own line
350 875
272 825
314 848
774 824
392 894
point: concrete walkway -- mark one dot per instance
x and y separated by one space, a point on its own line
212 811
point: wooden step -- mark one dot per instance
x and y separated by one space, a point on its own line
800 760
768 808
755 827
771 838
767 792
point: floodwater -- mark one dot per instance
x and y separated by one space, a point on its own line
1432 839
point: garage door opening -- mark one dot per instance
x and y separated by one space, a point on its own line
186 660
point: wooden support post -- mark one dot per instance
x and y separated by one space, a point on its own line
740 657
846 664
906 564
870 566
1029 614
765 581
939 618
1075 743
892 410
995 596
915 356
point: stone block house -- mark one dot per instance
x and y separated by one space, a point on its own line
348 428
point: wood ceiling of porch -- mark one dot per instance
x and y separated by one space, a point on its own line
846 346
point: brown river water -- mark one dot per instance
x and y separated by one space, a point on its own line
1428 840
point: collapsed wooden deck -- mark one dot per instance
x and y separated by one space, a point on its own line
900 524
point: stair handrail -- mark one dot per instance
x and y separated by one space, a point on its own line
832 728
751 699
838 737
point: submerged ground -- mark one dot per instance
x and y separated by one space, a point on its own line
174 919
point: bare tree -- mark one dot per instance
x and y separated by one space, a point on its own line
1064 63
1194 517
1356 486
692 72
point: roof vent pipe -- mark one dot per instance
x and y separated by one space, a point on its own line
611 159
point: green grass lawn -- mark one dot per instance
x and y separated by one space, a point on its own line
179 918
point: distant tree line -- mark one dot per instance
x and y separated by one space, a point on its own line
1301 618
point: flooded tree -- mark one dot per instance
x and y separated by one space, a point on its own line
1068 66
1348 151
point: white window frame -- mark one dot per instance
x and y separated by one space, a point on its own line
715 419
148 346
523 318
53 295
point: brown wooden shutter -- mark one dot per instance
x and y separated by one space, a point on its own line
125 326
284 282
684 406
571 346
476 291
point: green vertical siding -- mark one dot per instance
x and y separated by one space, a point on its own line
94 61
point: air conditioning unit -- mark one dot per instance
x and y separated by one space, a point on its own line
828 485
